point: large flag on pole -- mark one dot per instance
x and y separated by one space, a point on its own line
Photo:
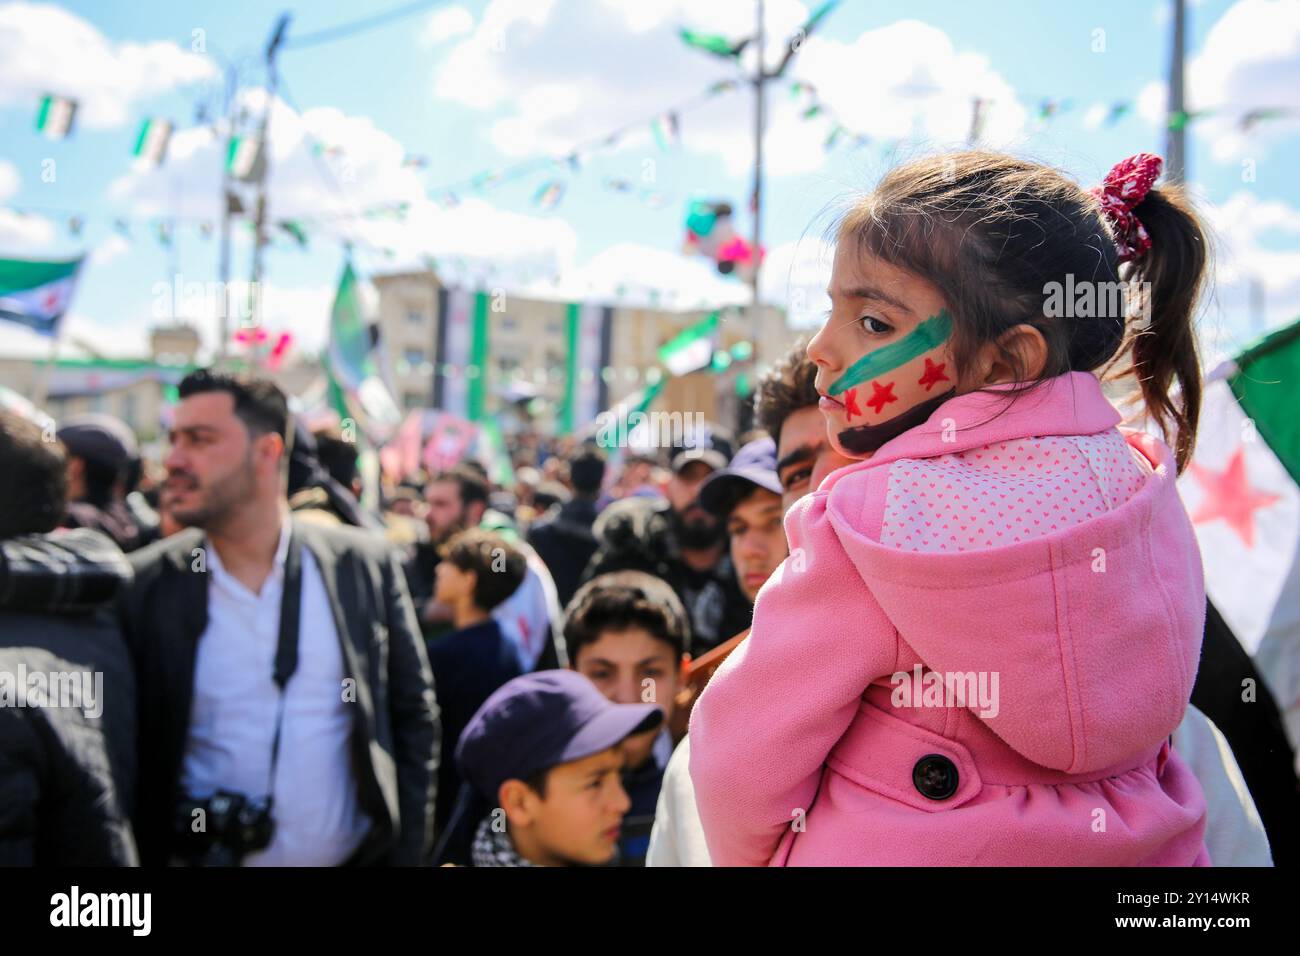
1242 490
588 329
37 294
692 350
351 365
460 376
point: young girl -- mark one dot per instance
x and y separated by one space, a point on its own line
987 630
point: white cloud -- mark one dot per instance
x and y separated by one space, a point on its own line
9 180
22 234
46 49
1250 60
1246 230
593 66
636 275
327 194
446 23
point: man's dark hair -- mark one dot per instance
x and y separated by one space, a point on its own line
621 600
787 387
33 479
337 455
498 567
259 403
473 486
587 472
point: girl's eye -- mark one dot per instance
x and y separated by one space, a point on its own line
872 324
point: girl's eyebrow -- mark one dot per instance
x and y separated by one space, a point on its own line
870 292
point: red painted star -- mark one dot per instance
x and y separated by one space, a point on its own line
881 397
1228 495
851 404
933 374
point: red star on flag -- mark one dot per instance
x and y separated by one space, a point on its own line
933 374
51 300
851 404
880 397
1228 495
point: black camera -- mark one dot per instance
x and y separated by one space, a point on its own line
221 829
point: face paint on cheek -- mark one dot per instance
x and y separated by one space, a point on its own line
868 438
926 337
902 378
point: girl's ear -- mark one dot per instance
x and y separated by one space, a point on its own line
1019 354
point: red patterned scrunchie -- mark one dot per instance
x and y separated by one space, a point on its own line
1126 185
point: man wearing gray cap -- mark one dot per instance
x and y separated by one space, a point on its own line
99 449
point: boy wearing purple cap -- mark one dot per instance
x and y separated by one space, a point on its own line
544 754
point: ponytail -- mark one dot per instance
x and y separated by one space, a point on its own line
1173 270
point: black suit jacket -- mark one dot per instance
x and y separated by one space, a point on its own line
395 735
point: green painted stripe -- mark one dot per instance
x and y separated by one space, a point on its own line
932 332
1264 386
43 116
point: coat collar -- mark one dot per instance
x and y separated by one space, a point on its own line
1069 404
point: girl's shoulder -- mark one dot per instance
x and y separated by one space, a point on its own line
994 494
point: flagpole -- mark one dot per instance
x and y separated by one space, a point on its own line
42 391
259 231
223 268
1176 136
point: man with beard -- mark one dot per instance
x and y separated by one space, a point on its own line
457 500
677 540
278 661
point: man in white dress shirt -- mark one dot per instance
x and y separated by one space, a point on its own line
277 659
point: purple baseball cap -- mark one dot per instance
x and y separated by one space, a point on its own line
542 719
753 466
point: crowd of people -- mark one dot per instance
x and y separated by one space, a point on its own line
478 675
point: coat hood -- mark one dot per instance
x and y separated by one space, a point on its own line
1094 631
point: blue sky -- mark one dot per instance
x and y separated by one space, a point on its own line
479 85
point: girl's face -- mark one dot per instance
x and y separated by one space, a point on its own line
884 358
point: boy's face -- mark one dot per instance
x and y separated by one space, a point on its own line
758 541
884 356
633 667
452 584
804 456
578 821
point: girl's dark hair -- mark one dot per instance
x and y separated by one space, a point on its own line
996 234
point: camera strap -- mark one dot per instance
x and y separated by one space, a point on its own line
286 649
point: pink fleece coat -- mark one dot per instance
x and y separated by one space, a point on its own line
802 755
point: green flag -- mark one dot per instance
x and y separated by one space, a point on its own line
35 293
54 118
1242 493
350 361
713 43
692 349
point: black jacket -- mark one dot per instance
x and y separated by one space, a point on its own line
66 772
468 665
395 736
563 539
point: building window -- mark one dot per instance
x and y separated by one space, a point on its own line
415 318
508 324
414 400
414 358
